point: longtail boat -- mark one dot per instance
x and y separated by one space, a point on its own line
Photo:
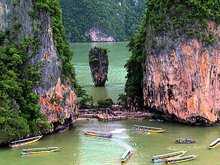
163 157
125 155
215 143
99 134
185 141
180 159
148 129
24 142
62 128
38 150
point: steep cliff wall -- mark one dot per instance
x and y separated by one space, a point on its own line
181 51
35 30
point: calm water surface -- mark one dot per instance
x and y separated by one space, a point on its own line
78 149
118 56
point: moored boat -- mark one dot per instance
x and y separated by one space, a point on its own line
38 150
125 155
23 142
215 143
63 128
99 134
180 159
148 129
185 140
163 157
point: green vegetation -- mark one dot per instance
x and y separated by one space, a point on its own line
19 110
97 56
176 19
61 43
117 18
107 103
86 102
134 66
187 19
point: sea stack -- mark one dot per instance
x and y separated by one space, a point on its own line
98 62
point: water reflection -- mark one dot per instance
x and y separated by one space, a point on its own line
99 93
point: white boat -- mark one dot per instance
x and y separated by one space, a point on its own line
180 159
147 129
125 155
23 142
163 157
215 143
39 150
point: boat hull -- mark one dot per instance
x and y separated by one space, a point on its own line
125 156
180 159
185 141
21 143
63 129
148 129
214 144
98 134
164 157
39 150
155 131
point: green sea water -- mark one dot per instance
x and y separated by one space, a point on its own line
117 56
79 149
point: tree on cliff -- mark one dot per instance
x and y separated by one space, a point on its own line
98 62
118 19
175 30
34 53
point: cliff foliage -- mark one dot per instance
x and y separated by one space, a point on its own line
116 18
187 19
19 111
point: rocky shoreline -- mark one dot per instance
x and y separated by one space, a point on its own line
106 114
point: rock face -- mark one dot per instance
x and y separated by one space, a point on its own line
57 100
98 62
59 103
182 81
98 36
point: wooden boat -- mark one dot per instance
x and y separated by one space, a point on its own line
180 159
163 157
185 141
215 143
125 155
99 134
63 128
148 129
24 142
38 150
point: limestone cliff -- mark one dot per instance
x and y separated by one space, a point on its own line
98 62
37 25
182 60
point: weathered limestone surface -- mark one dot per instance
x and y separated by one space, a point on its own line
97 35
54 96
59 103
182 81
98 62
